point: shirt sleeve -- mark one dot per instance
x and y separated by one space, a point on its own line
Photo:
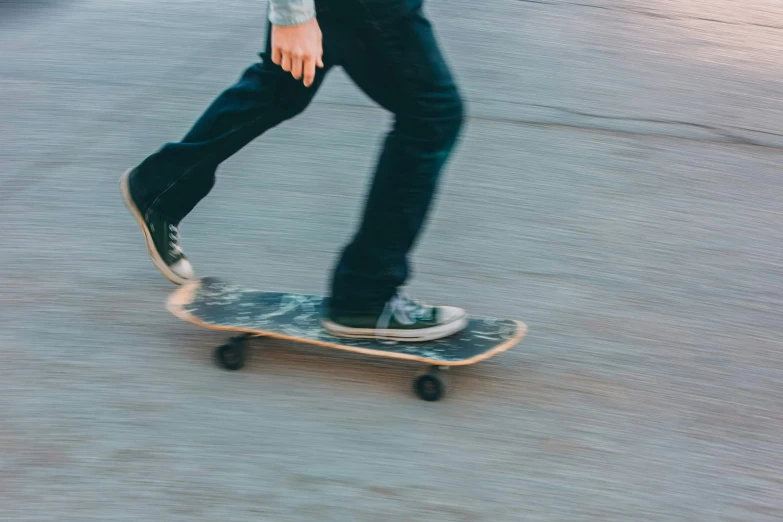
291 12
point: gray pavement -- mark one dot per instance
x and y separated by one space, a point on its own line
617 188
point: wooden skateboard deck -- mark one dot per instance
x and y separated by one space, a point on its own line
215 304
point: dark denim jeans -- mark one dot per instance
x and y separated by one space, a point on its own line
389 50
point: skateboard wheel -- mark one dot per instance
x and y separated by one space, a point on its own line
430 386
231 356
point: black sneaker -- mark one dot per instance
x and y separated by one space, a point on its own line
161 236
402 319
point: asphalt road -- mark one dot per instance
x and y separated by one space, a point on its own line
617 188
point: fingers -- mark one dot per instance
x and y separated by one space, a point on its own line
308 71
301 67
277 55
285 63
297 65
309 65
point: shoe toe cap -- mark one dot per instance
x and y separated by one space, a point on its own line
449 314
183 269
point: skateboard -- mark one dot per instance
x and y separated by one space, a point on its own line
218 305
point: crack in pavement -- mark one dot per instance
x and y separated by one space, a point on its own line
731 139
740 140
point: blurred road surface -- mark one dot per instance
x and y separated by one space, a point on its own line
618 188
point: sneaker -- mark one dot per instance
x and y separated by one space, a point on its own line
402 319
161 236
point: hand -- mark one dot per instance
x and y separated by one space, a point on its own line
298 50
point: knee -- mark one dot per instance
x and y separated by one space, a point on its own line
437 122
453 114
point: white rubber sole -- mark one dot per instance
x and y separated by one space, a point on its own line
162 267
412 336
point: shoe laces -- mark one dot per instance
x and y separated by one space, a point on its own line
174 249
402 308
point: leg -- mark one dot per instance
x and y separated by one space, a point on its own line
166 186
392 54
397 62
174 179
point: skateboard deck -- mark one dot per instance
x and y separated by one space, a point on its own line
216 304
